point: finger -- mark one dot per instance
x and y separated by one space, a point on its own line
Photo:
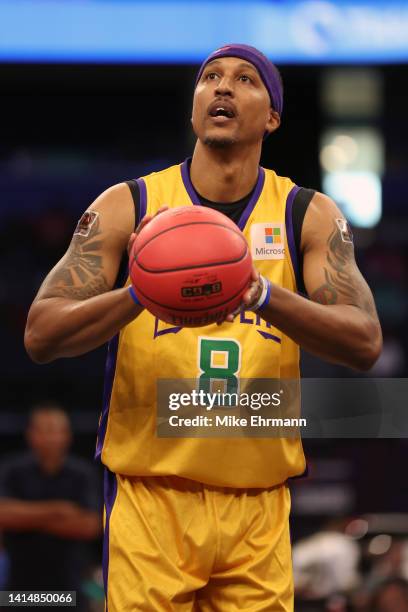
247 298
251 293
146 219
143 222
255 273
236 312
231 316
131 241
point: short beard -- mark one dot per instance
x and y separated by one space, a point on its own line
219 143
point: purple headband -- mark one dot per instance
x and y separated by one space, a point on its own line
268 71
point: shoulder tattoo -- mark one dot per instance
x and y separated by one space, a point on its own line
80 273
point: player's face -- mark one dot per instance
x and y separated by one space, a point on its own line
231 104
49 434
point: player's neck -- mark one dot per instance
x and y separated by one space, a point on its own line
222 175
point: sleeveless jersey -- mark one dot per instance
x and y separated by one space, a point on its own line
148 349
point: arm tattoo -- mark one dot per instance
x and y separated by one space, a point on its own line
80 274
343 279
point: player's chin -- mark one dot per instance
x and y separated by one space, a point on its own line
220 138
219 142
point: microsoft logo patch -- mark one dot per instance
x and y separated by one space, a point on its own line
268 241
273 235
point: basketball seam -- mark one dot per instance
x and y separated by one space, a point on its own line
170 229
201 265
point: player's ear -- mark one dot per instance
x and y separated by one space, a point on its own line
273 121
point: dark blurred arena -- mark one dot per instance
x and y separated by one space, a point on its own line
70 129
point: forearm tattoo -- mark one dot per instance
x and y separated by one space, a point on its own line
343 279
79 275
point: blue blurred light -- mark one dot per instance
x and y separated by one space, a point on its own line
308 31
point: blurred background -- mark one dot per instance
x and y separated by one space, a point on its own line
96 92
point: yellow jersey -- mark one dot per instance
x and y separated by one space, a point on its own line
148 349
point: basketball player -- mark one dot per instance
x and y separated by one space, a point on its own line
193 523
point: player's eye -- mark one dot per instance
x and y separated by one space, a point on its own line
245 78
211 76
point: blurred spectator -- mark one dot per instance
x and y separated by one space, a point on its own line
3 566
391 596
49 505
325 564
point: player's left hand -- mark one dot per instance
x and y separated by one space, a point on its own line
251 295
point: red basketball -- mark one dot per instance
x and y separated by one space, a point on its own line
190 266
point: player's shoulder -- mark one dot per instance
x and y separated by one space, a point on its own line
322 209
323 216
115 194
118 204
113 208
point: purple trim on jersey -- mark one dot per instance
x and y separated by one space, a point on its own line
143 199
289 232
113 347
185 175
269 336
107 392
110 489
254 198
163 332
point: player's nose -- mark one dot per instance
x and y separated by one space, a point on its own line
225 87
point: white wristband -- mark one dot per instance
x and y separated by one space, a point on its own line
263 299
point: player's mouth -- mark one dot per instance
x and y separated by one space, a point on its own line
222 112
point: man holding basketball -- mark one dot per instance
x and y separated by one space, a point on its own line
202 523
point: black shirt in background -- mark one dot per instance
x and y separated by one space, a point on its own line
41 561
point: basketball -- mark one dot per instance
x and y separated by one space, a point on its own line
190 266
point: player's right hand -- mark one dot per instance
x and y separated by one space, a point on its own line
146 219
